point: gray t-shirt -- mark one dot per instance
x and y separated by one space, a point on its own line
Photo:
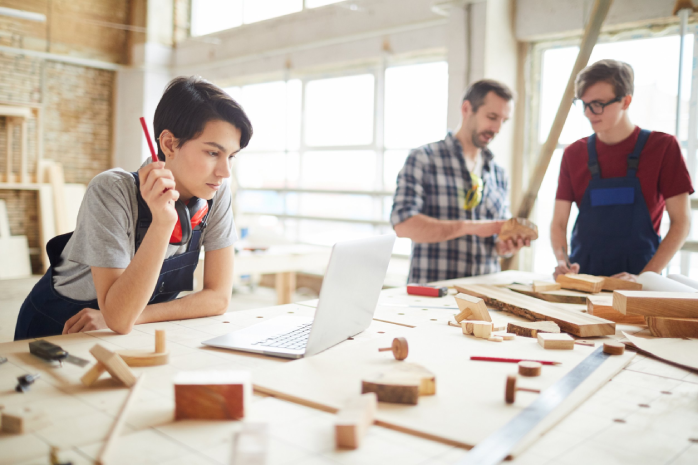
106 230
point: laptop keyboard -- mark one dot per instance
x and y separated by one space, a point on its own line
296 339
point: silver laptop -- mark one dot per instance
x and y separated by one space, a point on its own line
348 298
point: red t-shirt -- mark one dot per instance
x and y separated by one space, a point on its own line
662 170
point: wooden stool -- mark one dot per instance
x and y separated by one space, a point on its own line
510 392
399 348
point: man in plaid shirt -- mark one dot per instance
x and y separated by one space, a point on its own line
451 196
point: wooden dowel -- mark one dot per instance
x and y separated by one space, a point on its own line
385 349
528 390
119 423
160 341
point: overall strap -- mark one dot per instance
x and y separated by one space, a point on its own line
634 158
593 162
194 242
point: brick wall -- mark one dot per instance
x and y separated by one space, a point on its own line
78 121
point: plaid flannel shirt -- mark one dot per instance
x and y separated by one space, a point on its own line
433 182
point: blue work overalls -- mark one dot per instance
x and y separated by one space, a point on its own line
44 311
614 231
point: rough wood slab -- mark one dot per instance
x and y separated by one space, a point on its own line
615 284
664 304
673 327
579 324
581 282
532 328
601 305
562 296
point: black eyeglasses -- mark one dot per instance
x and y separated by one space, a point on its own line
597 107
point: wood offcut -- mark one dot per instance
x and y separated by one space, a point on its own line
581 282
354 419
663 304
601 305
673 327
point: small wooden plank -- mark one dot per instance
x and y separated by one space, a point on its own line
515 228
354 420
552 341
471 308
601 305
93 374
544 286
663 304
615 284
532 328
673 327
482 329
562 296
579 324
119 423
581 282
212 395
114 364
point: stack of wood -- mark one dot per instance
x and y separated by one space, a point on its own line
668 314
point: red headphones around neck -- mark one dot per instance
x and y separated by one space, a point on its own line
189 215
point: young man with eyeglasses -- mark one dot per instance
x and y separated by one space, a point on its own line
451 196
621 178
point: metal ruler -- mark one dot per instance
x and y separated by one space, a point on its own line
496 447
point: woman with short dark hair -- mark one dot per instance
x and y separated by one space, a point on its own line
138 235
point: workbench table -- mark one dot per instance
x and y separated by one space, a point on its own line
648 414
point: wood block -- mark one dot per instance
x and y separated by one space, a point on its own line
93 374
514 228
663 304
250 444
471 308
354 419
482 329
544 286
613 348
573 322
555 341
673 327
601 305
615 284
530 368
212 395
21 420
531 329
402 384
114 364
581 282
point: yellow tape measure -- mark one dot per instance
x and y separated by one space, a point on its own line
473 196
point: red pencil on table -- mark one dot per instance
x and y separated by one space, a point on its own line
513 360
147 137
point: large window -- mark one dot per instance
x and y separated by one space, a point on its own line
655 61
326 150
209 16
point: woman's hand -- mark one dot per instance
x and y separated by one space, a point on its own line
625 276
158 191
86 319
562 268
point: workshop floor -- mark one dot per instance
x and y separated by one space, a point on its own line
14 291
